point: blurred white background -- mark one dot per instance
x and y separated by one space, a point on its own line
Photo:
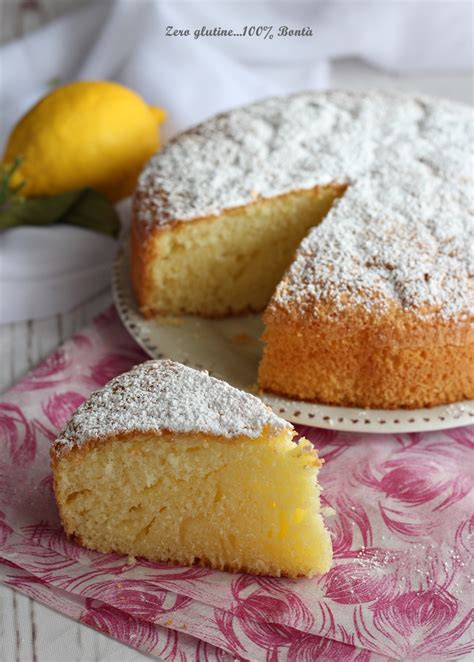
17 17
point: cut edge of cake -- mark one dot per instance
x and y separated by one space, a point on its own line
238 258
386 273
244 500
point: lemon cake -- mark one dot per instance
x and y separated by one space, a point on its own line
170 464
348 217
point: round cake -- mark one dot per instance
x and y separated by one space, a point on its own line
347 217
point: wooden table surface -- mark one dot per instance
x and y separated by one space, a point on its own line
29 631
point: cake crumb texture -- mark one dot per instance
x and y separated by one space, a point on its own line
243 498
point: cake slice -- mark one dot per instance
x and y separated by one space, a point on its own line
170 464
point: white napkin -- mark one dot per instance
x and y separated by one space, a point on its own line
48 270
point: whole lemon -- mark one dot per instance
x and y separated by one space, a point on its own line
86 133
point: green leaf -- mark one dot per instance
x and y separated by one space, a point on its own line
85 208
7 190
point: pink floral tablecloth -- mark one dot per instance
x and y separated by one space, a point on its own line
399 587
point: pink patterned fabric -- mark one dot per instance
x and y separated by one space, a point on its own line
399 587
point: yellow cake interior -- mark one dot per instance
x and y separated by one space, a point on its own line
215 267
235 504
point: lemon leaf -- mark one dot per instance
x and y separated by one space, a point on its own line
94 211
7 190
85 208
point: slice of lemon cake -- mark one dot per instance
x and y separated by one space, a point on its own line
168 463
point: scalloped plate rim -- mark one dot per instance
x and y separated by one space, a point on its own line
348 419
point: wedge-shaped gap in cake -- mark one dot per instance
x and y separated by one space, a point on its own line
231 264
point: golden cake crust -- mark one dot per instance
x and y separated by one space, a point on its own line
360 360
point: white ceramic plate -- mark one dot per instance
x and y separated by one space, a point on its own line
230 349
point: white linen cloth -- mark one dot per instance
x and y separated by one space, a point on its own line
51 269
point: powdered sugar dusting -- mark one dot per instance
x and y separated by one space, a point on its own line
163 395
404 229
419 255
